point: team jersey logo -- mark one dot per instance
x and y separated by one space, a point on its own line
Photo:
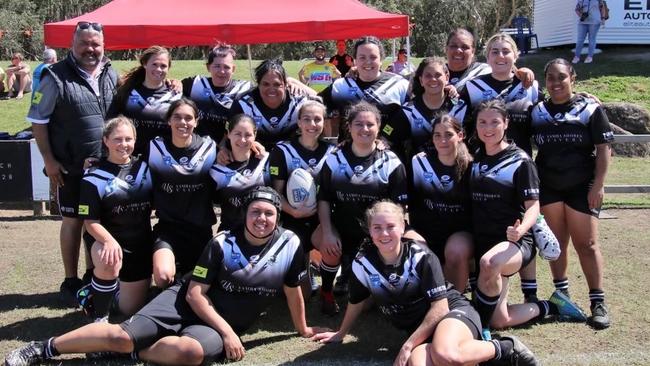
358 169
83 209
388 130
343 167
488 94
128 178
200 272
274 121
445 179
393 279
254 259
37 98
375 281
167 160
295 162
428 176
353 90
246 173
484 167
312 162
184 160
419 122
235 256
274 170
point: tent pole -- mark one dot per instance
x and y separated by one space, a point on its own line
408 46
394 53
250 61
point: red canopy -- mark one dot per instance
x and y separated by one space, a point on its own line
142 23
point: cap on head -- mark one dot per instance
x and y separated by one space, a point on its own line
319 47
264 193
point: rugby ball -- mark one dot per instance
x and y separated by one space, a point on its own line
301 189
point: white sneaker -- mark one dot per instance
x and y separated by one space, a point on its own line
589 60
547 243
575 60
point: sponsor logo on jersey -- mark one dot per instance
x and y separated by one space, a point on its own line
128 178
388 130
445 179
312 162
435 291
353 90
375 280
184 160
419 122
37 98
274 170
274 121
83 209
167 160
254 259
246 173
428 176
200 272
393 279
295 162
488 94
484 167
235 255
358 169
342 167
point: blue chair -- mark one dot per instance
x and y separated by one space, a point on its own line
524 34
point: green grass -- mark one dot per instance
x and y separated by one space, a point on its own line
30 273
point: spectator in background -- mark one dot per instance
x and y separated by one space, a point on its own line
342 60
318 74
49 58
18 79
401 66
2 80
67 117
589 22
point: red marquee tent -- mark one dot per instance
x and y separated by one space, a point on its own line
142 23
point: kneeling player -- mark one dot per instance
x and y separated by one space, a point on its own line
405 279
238 274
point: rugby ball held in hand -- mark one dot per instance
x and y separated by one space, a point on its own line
301 189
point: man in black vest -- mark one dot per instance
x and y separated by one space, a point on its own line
67 115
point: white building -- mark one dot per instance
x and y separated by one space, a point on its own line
555 21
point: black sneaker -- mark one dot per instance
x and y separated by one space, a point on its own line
599 318
68 291
29 354
520 355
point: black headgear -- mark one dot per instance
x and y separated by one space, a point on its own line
263 193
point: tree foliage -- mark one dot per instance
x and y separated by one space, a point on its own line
22 31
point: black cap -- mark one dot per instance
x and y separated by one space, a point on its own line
319 47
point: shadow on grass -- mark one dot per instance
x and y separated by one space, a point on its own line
51 300
30 218
40 328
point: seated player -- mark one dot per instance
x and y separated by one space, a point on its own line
405 280
201 318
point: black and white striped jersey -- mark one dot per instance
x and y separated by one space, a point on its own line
214 103
566 136
233 181
244 278
182 184
500 184
403 292
273 125
119 197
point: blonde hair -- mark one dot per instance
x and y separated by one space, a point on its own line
501 37
114 123
384 206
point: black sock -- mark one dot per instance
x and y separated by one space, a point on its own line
529 287
502 347
50 350
562 285
546 308
103 292
596 296
485 306
327 274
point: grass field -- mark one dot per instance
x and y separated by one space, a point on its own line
30 273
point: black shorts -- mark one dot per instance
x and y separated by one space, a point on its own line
460 308
526 246
303 228
185 241
437 240
137 256
167 315
574 197
68 195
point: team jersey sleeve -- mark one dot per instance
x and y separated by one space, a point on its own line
357 291
187 86
397 128
527 181
44 101
277 165
601 132
398 185
433 285
296 270
89 201
208 265
325 189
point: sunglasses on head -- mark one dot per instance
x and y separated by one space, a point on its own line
87 25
